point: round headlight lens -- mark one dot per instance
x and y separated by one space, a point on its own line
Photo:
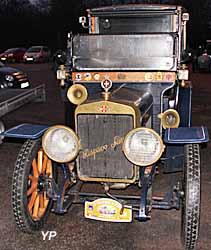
143 146
9 78
60 143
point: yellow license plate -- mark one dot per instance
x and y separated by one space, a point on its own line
105 209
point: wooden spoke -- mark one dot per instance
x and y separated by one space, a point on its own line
31 201
31 177
35 169
40 161
38 202
49 168
43 204
36 207
33 188
44 163
41 196
41 212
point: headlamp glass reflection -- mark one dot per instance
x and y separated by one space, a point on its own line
60 143
143 146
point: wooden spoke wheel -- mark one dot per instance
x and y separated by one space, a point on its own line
191 199
29 199
37 198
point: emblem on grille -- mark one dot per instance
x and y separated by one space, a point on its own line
104 109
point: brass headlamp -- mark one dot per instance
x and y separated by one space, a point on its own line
170 119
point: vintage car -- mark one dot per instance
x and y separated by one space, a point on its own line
129 83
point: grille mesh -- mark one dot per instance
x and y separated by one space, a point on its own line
101 139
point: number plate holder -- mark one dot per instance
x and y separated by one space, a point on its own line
105 209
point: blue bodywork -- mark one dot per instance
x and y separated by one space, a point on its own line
186 135
175 139
185 106
26 131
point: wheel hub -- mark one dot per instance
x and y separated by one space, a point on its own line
41 183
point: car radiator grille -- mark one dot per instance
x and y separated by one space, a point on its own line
101 139
20 77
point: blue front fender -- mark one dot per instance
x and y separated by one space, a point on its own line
186 135
26 131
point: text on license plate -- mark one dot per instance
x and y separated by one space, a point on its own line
24 85
105 209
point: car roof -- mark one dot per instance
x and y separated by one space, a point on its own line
36 47
13 49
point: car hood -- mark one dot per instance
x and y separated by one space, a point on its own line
8 70
3 54
32 54
7 53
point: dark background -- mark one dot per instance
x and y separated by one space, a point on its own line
46 22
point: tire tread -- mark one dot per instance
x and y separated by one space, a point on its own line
193 195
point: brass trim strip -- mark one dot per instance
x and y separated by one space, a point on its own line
124 76
111 108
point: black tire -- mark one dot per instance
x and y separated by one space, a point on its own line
192 197
2 129
20 187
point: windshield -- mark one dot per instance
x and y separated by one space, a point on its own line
138 24
124 52
11 50
34 49
209 48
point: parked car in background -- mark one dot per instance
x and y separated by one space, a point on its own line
12 78
208 45
13 55
202 58
208 48
204 62
37 54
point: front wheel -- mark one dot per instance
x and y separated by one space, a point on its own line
191 199
29 199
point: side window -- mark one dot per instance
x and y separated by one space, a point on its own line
45 49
